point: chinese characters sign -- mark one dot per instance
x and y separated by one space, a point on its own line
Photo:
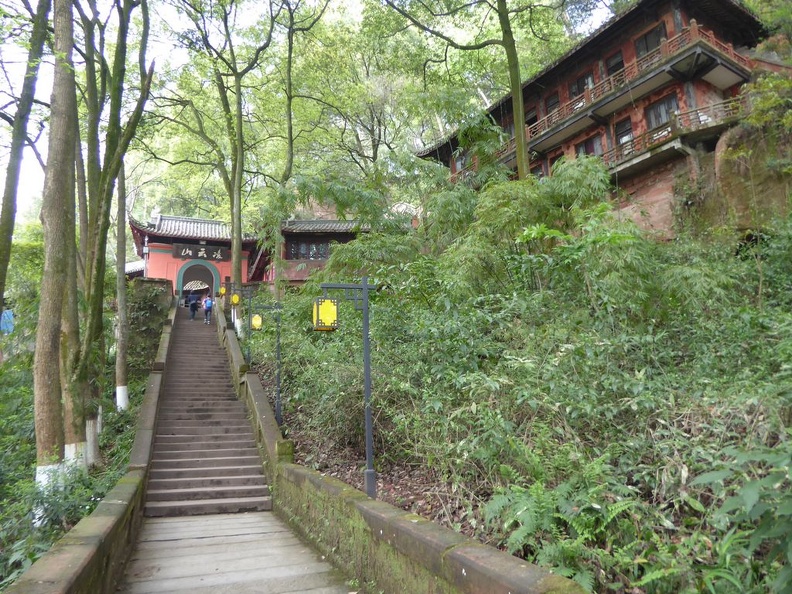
186 251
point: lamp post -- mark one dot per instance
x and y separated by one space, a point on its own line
324 306
237 294
257 323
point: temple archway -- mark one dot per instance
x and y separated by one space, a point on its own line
197 273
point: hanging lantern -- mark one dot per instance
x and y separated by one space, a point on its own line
235 299
256 322
325 314
222 291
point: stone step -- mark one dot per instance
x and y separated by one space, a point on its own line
193 389
204 430
192 444
211 472
224 413
158 509
203 454
183 463
197 493
206 482
185 400
207 399
228 413
213 422
203 440
204 395
205 407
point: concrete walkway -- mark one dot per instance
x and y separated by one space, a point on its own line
205 464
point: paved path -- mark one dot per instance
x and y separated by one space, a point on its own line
240 553
204 464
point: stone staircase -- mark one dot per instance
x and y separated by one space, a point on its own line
205 459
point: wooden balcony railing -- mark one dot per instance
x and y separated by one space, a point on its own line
681 122
633 70
638 144
630 72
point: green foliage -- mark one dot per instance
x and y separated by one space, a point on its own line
571 377
20 542
771 104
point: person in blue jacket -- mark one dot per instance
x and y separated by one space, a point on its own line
208 303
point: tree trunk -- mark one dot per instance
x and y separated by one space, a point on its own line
236 211
101 181
287 169
515 84
73 392
122 330
58 189
18 138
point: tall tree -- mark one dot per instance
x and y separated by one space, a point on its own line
122 333
215 35
107 139
437 17
295 22
58 198
19 138
367 84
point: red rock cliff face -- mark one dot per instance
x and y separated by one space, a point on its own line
741 185
651 200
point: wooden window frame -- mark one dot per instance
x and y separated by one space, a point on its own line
647 43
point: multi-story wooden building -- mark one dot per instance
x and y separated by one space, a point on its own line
648 91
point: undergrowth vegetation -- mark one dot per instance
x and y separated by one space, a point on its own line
57 511
609 406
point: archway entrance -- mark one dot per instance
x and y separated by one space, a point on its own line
197 279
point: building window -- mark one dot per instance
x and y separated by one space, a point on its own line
614 64
650 41
660 112
590 146
623 131
579 85
530 117
537 170
307 249
461 160
552 103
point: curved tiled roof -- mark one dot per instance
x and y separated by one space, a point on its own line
322 226
188 228
132 267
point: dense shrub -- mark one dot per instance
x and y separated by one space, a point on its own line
579 382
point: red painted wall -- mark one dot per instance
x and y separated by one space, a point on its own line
162 264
